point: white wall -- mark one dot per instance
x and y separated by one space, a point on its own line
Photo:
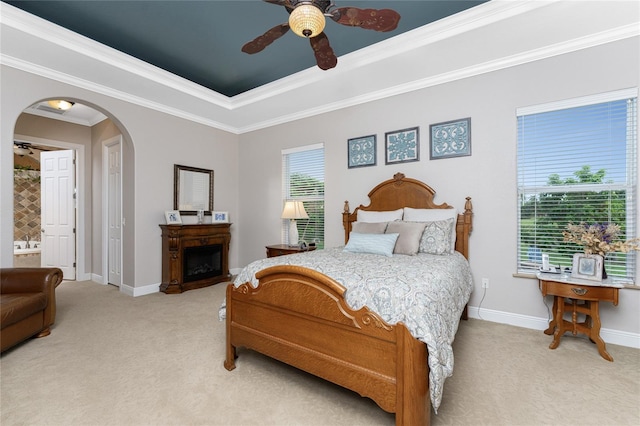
159 141
488 175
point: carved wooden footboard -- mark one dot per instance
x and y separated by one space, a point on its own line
299 316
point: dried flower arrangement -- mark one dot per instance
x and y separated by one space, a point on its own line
599 238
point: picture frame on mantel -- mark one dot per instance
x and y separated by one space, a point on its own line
219 217
173 217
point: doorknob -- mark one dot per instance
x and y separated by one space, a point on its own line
42 230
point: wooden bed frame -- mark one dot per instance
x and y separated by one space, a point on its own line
299 316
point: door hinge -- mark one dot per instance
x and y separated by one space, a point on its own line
74 230
74 264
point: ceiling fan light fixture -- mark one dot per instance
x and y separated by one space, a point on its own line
60 104
21 150
306 20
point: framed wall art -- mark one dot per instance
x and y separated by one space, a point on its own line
402 146
361 151
587 266
450 139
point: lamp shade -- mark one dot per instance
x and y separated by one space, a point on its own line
294 210
306 20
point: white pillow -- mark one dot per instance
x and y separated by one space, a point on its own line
432 215
374 216
371 243
428 215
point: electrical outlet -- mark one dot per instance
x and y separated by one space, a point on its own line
485 283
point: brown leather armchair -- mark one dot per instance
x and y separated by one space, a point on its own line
27 303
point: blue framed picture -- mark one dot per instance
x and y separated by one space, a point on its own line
361 151
450 139
402 146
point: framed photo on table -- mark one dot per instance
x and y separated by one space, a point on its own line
587 266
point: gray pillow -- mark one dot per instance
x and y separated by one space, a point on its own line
369 228
409 239
436 238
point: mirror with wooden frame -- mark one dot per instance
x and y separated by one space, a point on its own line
192 190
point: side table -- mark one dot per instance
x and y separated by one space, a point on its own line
589 294
284 249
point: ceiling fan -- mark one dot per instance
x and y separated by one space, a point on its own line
307 19
25 148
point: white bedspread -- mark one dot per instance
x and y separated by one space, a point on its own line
425 292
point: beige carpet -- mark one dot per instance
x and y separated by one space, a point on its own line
157 360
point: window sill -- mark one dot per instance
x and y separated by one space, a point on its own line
632 286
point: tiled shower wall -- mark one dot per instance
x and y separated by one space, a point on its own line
26 205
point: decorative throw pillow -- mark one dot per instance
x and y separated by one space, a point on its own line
369 227
436 238
371 243
409 238
432 215
378 216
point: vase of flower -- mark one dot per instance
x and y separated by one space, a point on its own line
599 238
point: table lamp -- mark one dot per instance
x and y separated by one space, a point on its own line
294 210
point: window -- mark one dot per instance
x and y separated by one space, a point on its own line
303 180
577 163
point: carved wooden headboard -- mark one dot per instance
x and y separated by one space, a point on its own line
402 192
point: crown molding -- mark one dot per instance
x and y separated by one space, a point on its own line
280 92
594 40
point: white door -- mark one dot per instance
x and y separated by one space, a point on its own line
114 197
58 211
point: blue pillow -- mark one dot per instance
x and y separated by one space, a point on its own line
371 243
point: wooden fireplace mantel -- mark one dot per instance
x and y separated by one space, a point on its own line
177 240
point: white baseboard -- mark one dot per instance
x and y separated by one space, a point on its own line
615 337
139 291
97 278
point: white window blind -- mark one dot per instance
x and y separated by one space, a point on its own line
577 162
303 180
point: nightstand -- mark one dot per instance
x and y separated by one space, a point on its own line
284 249
583 297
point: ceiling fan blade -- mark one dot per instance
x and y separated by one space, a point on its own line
382 20
285 3
325 57
259 43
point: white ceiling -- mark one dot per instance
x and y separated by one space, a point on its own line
492 36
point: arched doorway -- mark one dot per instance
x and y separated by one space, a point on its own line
86 136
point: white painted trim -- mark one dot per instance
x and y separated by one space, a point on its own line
615 337
448 77
109 91
81 185
97 279
116 140
139 291
476 17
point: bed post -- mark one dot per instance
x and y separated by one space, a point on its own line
346 223
230 361
413 404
